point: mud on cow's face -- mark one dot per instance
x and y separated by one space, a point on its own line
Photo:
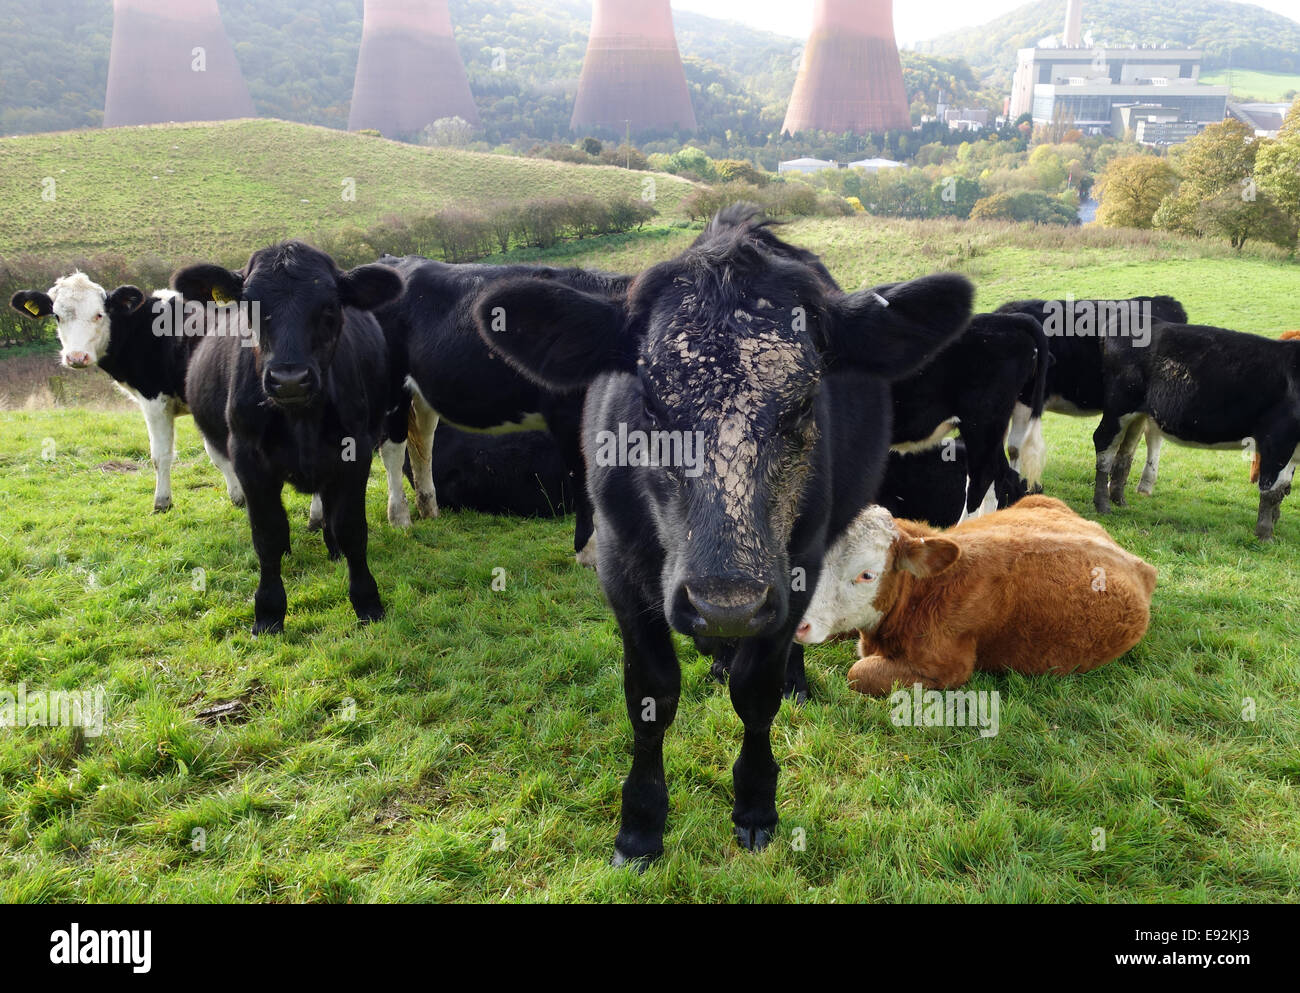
83 312
729 343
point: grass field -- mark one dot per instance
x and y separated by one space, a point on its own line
219 190
1250 84
471 745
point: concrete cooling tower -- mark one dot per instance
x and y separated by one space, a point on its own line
172 61
632 74
850 78
409 72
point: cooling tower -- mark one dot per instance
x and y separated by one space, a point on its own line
172 61
850 78
1073 37
632 71
409 72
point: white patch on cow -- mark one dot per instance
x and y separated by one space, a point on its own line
589 556
82 321
1147 484
316 513
393 454
989 504
1106 459
421 428
1287 474
1218 446
1033 454
160 420
227 469
933 441
1016 431
529 422
845 598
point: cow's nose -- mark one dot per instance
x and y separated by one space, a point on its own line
723 608
288 382
78 360
803 632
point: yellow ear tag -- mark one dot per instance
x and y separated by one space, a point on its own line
31 305
219 297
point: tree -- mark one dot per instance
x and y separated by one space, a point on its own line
448 132
1239 218
1278 165
1132 189
1218 161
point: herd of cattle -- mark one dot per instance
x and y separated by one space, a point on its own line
811 405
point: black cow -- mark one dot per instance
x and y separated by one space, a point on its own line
926 486
973 386
737 419
1075 384
455 378
521 473
305 406
1206 387
145 349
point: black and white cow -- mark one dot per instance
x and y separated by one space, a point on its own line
520 474
771 388
1074 375
120 333
973 386
1205 387
455 379
306 406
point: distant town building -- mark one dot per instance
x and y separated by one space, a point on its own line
1265 118
1153 124
875 165
806 165
967 119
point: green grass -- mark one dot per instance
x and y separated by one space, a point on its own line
1253 85
216 190
485 716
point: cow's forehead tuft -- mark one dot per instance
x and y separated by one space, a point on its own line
76 288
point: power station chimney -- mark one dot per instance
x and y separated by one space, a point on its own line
172 61
1073 24
850 78
409 72
632 75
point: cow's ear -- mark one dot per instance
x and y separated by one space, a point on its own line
555 335
124 300
891 331
369 286
32 303
924 557
206 282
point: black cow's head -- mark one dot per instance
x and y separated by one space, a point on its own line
726 345
292 298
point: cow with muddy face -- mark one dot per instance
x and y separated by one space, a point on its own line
737 420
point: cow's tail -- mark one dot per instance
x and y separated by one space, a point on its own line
1033 451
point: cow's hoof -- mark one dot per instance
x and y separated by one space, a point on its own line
1118 500
368 615
635 863
426 506
754 839
238 500
1103 507
315 523
268 627
162 506
1264 534
399 516
797 694
587 557
719 672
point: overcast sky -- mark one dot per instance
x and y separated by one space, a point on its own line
914 20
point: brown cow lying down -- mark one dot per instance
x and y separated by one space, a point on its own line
1034 588
1254 464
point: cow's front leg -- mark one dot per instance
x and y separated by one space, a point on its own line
345 510
652 682
876 675
1276 473
757 678
160 421
1106 440
270 526
393 454
233 489
316 515
1123 464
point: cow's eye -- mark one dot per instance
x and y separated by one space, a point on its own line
866 577
99 317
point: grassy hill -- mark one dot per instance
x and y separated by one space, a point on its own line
218 190
1247 85
383 764
1236 34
